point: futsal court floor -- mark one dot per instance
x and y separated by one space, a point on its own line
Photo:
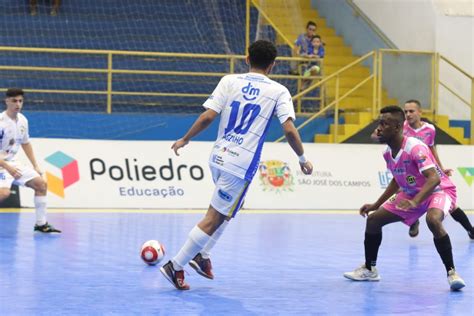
266 263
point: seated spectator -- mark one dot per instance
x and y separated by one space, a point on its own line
303 44
315 52
54 9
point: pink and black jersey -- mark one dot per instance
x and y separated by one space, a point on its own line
426 133
413 158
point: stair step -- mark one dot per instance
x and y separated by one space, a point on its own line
338 50
323 138
344 129
361 118
357 71
288 27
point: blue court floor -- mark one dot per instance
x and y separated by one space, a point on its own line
265 264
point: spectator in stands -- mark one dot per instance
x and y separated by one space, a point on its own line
303 43
316 53
54 9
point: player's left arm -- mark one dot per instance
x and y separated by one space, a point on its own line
202 122
28 149
448 172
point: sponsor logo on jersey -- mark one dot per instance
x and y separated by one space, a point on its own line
421 157
217 160
230 152
250 93
410 180
399 171
224 195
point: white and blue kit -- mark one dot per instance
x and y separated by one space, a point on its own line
14 133
246 103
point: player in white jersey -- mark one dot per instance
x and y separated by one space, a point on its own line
426 132
246 104
13 133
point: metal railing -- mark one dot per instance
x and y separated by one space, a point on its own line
326 103
435 82
111 70
338 94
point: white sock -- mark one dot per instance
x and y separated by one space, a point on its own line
40 210
205 252
197 239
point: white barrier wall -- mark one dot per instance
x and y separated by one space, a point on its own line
133 174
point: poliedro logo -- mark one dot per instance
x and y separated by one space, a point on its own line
68 168
468 174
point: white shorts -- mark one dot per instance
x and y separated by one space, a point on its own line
229 193
27 174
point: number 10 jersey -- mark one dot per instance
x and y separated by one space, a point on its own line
246 103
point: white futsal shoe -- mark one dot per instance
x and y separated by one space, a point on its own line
363 274
455 281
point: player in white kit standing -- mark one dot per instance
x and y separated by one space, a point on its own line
13 133
246 102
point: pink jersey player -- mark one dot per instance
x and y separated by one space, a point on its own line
426 133
407 168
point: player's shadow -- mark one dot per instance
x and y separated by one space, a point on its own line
211 303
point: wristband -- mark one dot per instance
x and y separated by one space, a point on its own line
302 159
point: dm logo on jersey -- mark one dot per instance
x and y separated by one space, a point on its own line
250 93
68 170
468 174
384 178
275 175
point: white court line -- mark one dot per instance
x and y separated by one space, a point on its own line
181 211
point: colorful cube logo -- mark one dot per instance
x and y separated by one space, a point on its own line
468 174
65 174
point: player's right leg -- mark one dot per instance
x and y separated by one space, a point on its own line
372 241
440 203
31 179
227 200
197 239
